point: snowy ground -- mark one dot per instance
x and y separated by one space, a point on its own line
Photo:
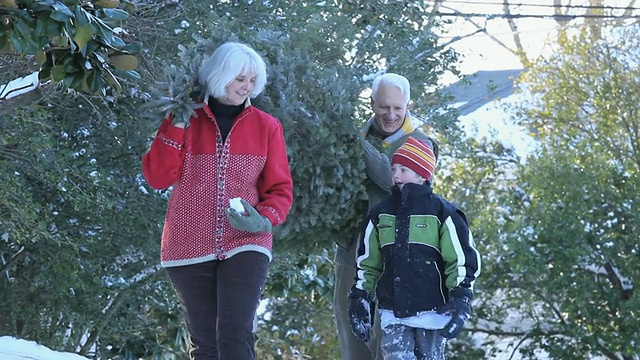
18 349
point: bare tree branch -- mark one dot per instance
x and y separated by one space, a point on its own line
484 30
627 12
559 16
6 106
17 256
522 55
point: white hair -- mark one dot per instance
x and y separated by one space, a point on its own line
226 63
392 79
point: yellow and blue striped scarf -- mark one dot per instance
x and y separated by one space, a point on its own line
406 128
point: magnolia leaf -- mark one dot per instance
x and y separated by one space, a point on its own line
84 33
23 33
23 28
82 17
71 66
57 73
117 42
9 3
41 57
109 4
59 41
101 28
62 14
16 42
91 47
114 14
94 81
5 46
111 80
124 62
129 7
131 74
132 48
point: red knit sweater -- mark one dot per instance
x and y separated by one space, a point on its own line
205 173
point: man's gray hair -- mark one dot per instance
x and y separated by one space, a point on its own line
392 79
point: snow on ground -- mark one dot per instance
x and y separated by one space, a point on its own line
18 349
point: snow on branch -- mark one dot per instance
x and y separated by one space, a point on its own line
19 92
19 86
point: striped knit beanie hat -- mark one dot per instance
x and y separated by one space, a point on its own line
417 155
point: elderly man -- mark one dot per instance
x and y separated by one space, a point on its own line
382 135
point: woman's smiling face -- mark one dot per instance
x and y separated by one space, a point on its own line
239 89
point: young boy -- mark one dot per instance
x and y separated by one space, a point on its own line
419 259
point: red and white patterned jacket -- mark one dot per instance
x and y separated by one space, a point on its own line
205 173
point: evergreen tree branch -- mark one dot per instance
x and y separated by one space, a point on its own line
17 256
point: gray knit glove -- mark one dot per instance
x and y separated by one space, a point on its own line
250 221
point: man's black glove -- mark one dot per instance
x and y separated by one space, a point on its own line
360 313
459 307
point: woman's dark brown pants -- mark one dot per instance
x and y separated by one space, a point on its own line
219 299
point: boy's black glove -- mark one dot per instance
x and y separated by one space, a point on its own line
360 313
459 307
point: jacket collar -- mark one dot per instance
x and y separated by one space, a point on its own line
411 192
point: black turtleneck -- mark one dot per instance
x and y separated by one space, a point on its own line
225 115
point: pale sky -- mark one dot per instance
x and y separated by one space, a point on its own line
481 52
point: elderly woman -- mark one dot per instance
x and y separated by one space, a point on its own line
217 257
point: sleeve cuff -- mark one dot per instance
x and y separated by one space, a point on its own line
269 215
175 133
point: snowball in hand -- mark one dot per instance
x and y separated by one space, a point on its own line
236 205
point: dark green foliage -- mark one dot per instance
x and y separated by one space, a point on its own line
316 107
561 265
74 42
79 229
304 326
558 232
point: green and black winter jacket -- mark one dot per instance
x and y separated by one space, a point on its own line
415 248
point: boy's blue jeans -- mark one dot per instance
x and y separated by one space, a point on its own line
401 342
